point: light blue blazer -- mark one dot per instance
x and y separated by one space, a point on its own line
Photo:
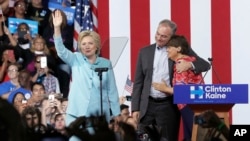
84 94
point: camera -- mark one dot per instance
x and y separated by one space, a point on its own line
142 136
43 62
51 97
198 119
21 38
128 98
21 34
24 101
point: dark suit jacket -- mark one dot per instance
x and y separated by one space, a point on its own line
143 76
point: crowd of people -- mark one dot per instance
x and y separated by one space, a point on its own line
49 86
55 92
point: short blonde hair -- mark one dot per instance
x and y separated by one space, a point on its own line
94 35
16 64
46 50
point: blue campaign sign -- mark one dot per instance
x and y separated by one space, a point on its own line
211 94
14 22
67 2
69 12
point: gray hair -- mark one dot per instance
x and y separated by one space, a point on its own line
171 24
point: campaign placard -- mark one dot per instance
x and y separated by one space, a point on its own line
66 2
14 22
69 12
211 94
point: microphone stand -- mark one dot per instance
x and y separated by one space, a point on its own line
100 70
213 69
100 78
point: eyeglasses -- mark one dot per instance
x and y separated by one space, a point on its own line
13 70
21 6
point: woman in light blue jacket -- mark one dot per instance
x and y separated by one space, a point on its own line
84 95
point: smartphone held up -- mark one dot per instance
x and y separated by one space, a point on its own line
43 61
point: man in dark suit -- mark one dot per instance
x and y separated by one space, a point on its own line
150 106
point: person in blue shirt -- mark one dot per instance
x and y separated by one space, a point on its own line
84 94
7 87
26 94
18 98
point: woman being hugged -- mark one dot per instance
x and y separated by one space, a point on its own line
84 95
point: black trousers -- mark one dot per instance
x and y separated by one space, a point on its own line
165 115
187 117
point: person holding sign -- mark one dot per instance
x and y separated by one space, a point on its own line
21 37
23 34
